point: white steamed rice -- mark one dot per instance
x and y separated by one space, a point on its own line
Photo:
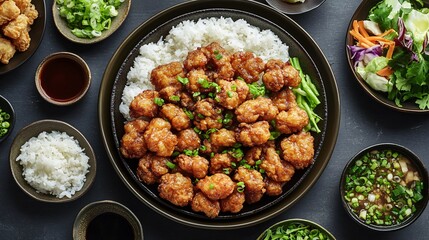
189 35
54 163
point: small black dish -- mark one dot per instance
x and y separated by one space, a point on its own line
419 205
6 107
295 8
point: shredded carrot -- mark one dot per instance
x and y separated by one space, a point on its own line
360 38
386 32
389 53
362 29
385 72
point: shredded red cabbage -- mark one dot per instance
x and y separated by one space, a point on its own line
358 54
405 40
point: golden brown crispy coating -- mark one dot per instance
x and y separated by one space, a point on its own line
8 11
216 186
187 139
247 66
279 74
298 149
232 93
201 203
15 28
195 166
31 13
151 168
197 79
207 115
223 138
176 116
22 4
292 120
233 203
253 134
195 59
133 144
254 183
7 50
261 108
284 100
221 163
166 75
275 168
273 188
176 188
143 105
159 138
22 43
219 61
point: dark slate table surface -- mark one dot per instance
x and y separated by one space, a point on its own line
363 122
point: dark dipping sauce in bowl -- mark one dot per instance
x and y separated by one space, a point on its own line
63 79
109 226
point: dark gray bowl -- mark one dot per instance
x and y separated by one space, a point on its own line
6 106
95 209
260 15
421 205
288 222
32 130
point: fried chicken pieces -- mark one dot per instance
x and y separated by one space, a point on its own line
16 18
207 141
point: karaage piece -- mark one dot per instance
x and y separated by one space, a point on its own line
31 13
201 203
253 134
253 110
298 149
8 11
233 203
159 138
176 188
254 186
232 93
247 66
7 50
22 43
187 139
16 27
216 186
195 166
291 121
144 104
133 144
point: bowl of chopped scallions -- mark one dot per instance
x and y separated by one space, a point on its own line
384 187
296 229
7 118
89 21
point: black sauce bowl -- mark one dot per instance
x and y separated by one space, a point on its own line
420 205
6 106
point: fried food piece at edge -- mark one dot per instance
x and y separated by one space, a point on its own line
7 50
159 138
291 121
166 75
201 203
16 27
233 203
176 188
8 11
133 144
22 43
151 167
217 186
298 149
254 184
143 105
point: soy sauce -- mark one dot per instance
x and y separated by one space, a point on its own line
62 79
109 226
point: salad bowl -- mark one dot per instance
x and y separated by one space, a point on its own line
387 99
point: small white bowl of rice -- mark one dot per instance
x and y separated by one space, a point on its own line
52 161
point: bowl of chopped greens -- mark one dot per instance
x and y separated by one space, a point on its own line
386 48
296 229
89 21
384 187
7 118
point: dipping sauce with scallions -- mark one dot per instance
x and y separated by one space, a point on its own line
382 187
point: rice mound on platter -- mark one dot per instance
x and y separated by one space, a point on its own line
189 35
54 163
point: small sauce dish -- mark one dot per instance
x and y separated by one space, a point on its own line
63 78
105 219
